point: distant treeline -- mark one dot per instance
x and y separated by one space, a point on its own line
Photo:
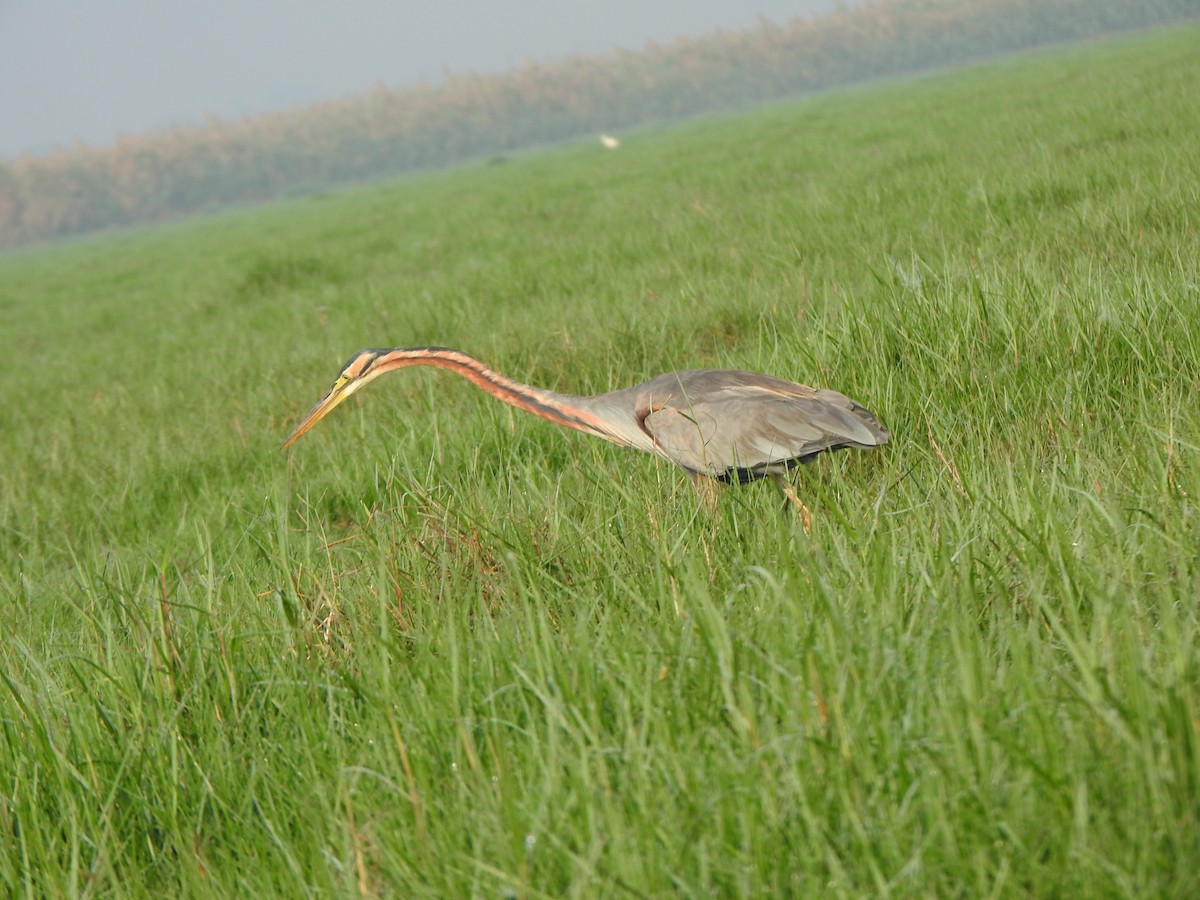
152 177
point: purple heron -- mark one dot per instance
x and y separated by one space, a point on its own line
727 426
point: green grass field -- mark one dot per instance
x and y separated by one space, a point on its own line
444 649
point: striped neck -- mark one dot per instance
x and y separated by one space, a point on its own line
561 409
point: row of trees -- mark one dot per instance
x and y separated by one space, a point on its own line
145 178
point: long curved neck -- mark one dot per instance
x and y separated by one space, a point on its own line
561 409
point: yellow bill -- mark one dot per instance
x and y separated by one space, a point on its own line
342 388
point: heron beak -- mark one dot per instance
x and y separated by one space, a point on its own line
336 395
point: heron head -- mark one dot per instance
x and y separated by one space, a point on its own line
357 372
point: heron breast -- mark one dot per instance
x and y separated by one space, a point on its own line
689 438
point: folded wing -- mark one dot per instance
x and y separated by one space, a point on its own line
741 429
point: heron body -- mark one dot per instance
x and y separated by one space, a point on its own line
717 424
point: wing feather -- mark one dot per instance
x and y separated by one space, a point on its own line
747 429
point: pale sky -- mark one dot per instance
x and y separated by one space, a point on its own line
93 69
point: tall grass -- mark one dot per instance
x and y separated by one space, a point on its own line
441 649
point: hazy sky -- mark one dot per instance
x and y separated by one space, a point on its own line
90 70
